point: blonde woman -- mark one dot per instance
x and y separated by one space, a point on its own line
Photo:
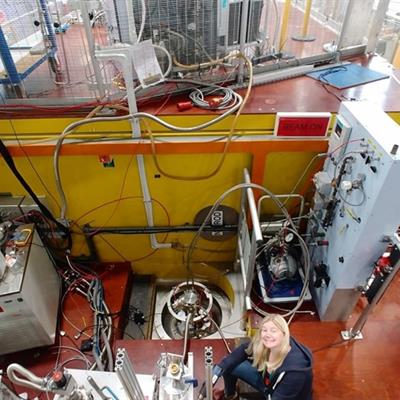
273 363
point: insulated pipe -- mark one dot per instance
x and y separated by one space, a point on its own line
32 381
284 25
186 337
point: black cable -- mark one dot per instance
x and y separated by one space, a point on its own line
10 163
330 71
44 227
325 82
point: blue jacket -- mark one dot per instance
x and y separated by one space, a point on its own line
292 380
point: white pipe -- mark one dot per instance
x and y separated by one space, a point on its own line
143 21
32 381
148 205
125 61
123 56
253 209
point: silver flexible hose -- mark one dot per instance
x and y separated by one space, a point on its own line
32 381
70 128
186 337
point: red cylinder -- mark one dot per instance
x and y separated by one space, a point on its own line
184 105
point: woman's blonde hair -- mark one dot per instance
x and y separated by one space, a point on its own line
261 353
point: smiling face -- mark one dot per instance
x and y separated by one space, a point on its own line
271 335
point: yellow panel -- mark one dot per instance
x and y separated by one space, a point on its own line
282 172
395 117
89 187
247 124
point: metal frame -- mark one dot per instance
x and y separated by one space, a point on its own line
14 77
246 250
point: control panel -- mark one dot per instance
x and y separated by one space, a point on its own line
355 206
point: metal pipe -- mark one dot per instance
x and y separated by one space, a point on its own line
8 61
127 366
279 196
49 26
253 209
284 25
129 390
306 18
186 337
123 375
96 388
63 48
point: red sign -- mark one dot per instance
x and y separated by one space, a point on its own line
305 125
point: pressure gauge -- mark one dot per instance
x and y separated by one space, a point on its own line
289 237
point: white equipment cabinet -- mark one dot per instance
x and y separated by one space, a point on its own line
29 294
352 219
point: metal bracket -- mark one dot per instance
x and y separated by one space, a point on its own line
350 335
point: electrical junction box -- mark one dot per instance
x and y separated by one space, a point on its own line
362 208
29 294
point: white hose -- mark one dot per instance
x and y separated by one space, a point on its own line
142 24
167 53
